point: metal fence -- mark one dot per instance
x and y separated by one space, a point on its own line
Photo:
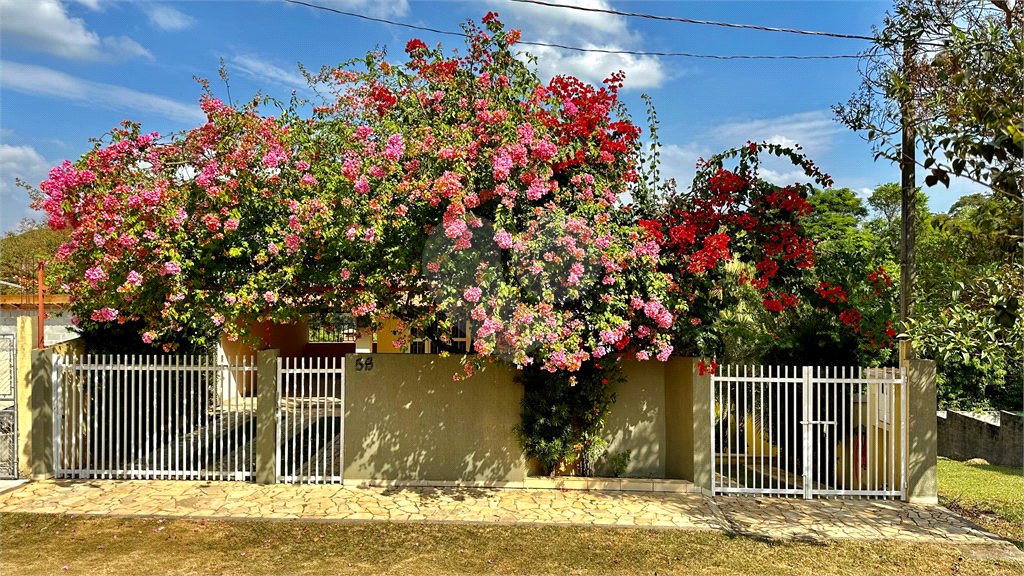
310 420
810 431
153 417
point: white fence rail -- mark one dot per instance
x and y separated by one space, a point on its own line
154 417
810 431
310 420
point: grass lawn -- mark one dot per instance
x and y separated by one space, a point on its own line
45 544
991 496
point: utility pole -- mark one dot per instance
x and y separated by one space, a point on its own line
908 166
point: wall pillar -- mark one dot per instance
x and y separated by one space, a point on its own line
266 416
688 423
42 414
27 338
922 433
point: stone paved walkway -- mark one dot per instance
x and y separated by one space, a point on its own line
772 518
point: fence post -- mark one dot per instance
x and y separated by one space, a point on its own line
42 414
266 415
702 448
688 423
922 433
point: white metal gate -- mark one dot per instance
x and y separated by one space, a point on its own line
8 407
153 417
809 431
311 419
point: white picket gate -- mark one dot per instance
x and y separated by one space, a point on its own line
810 431
153 417
310 420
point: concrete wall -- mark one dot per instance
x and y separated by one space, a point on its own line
636 421
408 419
995 436
58 326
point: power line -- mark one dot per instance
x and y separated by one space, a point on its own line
691 21
573 48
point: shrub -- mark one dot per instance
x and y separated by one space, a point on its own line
564 414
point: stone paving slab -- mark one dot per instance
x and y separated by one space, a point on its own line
797 519
780 518
318 502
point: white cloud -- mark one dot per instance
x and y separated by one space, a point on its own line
585 30
125 48
167 17
37 80
261 70
548 21
22 162
45 25
680 162
375 8
785 178
641 71
814 130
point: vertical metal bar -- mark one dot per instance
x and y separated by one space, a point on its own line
307 404
218 418
716 443
205 446
892 432
784 451
759 427
277 449
746 409
731 386
325 385
806 430
834 428
314 466
331 469
870 429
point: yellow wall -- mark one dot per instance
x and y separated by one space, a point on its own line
408 419
386 335
636 420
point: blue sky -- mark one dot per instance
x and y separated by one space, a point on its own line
73 70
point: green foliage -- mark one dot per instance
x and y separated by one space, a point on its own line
21 250
619 462
564 415
951 69
846 250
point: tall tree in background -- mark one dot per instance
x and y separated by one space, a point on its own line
21 250
966 86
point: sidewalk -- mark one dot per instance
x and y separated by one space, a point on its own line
770 518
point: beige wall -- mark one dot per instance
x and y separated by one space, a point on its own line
27 339
636 420
407 419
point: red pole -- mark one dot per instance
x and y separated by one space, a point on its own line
42 313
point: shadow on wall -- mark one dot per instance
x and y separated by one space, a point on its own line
636 421
407 419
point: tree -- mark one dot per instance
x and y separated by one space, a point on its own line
22 249
450 188
957 62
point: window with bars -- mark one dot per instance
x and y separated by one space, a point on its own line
459 334
332 328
